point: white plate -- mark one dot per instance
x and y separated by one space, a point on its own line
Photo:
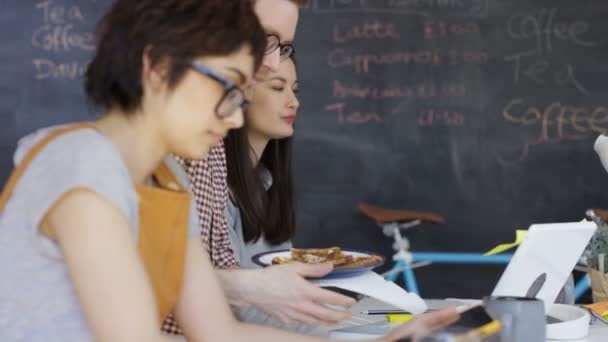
265 259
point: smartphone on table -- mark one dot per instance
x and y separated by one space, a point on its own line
474 325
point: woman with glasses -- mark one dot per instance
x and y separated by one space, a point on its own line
94 230
97 238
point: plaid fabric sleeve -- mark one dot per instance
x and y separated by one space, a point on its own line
210 191
222 254
170 326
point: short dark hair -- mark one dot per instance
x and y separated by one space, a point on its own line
176 31
271 212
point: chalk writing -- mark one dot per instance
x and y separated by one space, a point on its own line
58 32
542 72
345 116
362 63
45 69
450 4
366 31
550 124
543 27
58 14
557 120
467 57
62 38
468 8
440 29
440 117
427 89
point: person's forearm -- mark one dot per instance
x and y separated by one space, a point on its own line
235 282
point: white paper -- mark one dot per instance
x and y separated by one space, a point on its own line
373 285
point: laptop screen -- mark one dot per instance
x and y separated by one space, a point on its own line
543 262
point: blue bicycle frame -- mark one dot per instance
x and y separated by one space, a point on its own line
409 279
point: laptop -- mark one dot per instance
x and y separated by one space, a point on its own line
541 265
543 262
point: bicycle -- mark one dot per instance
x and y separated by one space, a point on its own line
393 222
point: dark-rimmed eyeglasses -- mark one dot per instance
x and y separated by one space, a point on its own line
233 98
273 42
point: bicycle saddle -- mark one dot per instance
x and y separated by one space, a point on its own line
380 215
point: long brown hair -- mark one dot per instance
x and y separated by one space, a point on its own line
271 212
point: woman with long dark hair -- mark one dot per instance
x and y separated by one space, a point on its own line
260 212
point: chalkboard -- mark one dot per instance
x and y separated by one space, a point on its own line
45 46
482 111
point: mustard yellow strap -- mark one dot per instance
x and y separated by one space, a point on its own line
166 179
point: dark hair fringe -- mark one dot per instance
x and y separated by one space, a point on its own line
173 31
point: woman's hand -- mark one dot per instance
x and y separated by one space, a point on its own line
285 294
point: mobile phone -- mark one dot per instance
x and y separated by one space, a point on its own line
474 317
475 323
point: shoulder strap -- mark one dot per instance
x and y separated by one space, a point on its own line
166 179
32 153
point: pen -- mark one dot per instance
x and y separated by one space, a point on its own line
384 312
